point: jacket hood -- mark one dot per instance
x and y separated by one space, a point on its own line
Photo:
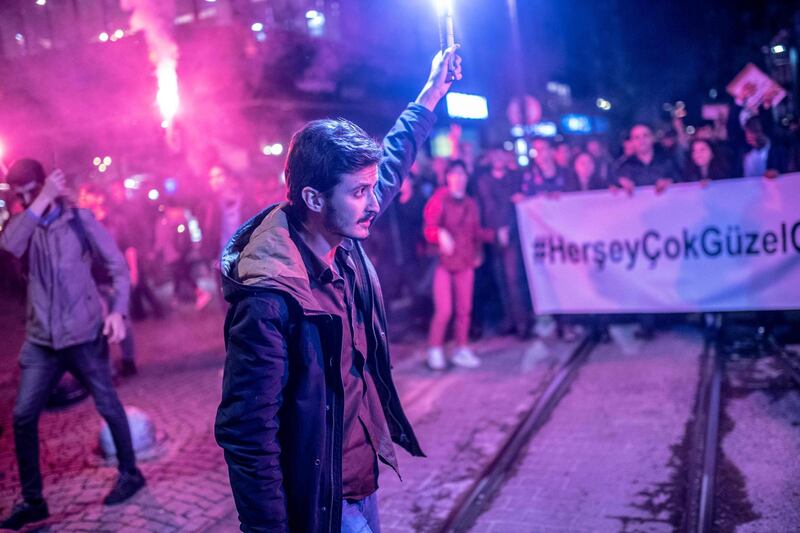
261 255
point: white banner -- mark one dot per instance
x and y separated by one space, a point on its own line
731 246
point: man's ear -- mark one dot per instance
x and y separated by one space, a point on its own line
313 199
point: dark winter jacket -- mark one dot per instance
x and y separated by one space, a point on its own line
281 416
64 305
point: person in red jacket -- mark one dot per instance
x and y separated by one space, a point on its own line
452 222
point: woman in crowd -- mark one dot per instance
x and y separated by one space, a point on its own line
452 222
705 163
583 174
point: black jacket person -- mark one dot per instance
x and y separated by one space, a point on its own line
286 400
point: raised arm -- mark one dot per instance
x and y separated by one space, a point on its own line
413 127
18 232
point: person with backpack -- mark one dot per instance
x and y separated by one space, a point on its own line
66 329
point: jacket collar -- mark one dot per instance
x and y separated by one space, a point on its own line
263 254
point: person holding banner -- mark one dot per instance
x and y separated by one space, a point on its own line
765 158
452 222
705 163
646 166
584 175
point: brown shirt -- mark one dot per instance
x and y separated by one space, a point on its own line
461 218
366 436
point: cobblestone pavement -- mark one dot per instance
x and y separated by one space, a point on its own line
602 462
178 386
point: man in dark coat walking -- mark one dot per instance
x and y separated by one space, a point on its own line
308 406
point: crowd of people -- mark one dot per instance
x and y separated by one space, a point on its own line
460 247
451 238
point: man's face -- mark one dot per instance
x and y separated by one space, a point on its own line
351 206
217 179
27 193
496 160
584 166
562 155
754 138
642 140
457 182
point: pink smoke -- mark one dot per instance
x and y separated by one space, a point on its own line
155 19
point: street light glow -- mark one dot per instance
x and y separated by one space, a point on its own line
444 6
472 106
272 149
315 21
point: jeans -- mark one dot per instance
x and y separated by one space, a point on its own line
361 516
41 370
127 345
452 294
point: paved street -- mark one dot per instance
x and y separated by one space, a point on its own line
178 386
604 461
461 418
607 460
761 446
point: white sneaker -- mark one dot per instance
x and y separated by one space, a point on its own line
466 358
436 360
545 326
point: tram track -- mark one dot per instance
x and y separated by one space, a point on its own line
474 501
704 503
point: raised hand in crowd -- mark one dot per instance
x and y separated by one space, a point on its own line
627 185
55 186
442 66
662 185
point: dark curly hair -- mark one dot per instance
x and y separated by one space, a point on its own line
321 152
